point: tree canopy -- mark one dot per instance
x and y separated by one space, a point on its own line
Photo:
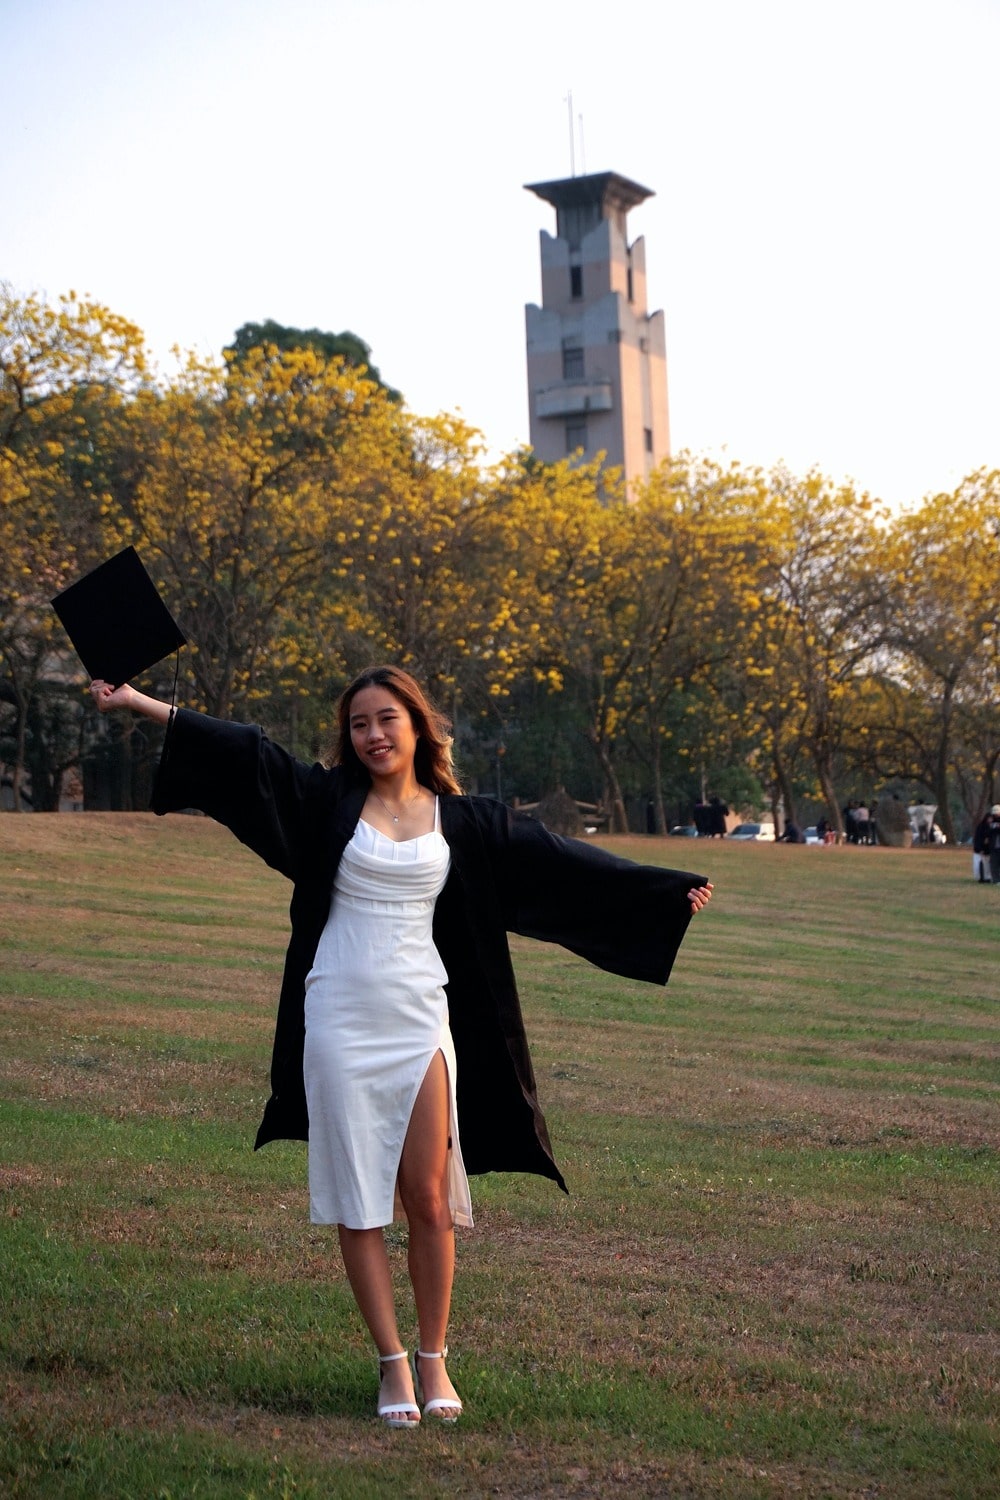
344 346
777 638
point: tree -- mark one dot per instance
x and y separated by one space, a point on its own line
249 495
344 346
66 376
695 585
940 622
572 538
822 593
623 606
49 354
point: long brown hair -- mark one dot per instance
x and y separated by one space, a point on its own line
432 762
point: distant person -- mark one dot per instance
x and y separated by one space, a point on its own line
861 823
980 854
718 813
792 835
992 843
403 886
872 825
850 825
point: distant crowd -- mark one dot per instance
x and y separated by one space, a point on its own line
859 823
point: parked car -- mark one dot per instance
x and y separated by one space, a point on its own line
684 831
812 837
761 833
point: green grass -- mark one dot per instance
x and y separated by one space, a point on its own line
776 1274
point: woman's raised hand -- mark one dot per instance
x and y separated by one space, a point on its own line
109 698
700 897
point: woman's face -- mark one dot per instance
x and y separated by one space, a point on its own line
382 732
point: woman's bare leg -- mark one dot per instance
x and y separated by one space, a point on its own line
423 1189
367 1267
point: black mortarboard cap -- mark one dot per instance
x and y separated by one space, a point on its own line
117 621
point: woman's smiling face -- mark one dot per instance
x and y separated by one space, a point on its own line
382 732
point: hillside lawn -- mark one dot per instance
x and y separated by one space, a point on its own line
777 1274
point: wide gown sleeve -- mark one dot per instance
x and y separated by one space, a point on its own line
624 917
236 775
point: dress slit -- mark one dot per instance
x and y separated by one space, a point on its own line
454 1167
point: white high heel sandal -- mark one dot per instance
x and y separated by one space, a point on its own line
437 1403
394 1413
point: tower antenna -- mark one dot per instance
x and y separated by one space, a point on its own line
583 149
572 146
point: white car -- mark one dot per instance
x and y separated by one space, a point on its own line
761 833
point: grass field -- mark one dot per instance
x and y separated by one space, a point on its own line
777 1274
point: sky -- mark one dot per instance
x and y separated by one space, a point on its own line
824 239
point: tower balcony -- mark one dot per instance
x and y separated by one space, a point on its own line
573 398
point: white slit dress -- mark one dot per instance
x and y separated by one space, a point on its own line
376 1013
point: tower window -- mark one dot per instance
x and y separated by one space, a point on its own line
576 282
648 433
572 362
576 434
631 296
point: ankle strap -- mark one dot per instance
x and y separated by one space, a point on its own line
425 1354
385 1359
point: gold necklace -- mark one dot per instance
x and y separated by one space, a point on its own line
396 816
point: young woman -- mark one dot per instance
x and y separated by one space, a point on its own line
399 1051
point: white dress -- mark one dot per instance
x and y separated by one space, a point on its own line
375 1015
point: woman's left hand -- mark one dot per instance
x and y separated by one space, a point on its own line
700 897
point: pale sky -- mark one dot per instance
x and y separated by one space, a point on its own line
824 240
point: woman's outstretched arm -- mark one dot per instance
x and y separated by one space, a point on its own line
114 699
235 774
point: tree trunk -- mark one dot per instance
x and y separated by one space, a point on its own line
618 822
784 789
17 774
825 775
944 817
659 812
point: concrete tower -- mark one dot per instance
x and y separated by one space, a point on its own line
597 360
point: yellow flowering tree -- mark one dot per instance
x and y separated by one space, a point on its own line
247 496
67 374
941 626
425 564
822 589
696 546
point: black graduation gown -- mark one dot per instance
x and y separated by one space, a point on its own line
508 874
